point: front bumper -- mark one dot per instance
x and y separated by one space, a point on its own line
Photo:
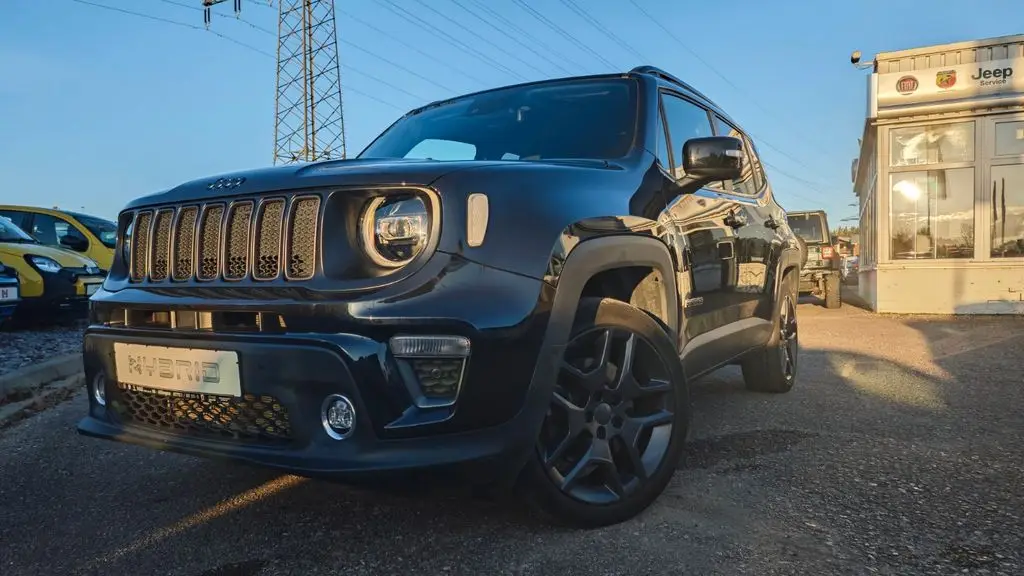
67 290
486 435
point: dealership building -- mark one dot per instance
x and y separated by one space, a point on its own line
940 180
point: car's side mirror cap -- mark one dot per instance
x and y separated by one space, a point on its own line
713 158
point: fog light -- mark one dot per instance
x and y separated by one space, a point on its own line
338 416
99 389
432 367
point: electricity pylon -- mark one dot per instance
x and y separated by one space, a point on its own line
309 122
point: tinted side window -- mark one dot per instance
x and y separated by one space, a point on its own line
745 184
664 157
755 160
685 120
49 230
19 218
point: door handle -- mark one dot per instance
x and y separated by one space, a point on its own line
772 223
734 220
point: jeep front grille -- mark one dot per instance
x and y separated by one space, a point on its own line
254 418
262 239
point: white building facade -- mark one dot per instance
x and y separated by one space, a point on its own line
940 180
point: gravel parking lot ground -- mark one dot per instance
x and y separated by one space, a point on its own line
899 452
24 347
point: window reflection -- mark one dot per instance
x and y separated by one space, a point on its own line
1007 211
920 145
932 214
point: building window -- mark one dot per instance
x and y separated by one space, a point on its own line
1007 227
1009 138
932 214
935 144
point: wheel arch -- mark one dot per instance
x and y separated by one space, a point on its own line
586 261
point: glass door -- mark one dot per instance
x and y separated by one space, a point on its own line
1004 191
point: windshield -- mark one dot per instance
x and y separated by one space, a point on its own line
574 119
807 226
105 230
9 232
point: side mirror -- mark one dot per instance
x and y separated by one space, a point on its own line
76 243
710 159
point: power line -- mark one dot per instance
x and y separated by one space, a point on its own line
570 4
479 37
421 23
411 47
228 38
511 37
544 20
720 75
176 23
396 65
524 33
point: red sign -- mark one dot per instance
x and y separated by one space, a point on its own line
906 85
945 79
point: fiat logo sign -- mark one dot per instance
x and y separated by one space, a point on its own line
225 183
906 85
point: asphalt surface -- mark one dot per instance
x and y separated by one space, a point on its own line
898 452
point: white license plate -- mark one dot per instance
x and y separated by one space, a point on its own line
91 289
178 369
8 294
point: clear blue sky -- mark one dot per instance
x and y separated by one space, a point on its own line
98 107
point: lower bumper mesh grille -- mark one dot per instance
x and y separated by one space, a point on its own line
253 418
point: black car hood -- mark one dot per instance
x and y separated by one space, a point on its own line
356 172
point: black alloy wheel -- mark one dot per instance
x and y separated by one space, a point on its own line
614 431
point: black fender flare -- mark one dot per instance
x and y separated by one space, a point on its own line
791 258
584 261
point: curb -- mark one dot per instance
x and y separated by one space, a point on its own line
25 380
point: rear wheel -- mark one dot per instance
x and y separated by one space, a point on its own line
833 292
617 422
774 368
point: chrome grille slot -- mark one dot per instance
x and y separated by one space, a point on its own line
160 264
140 251
261 239
302 231
236 250
209 242
268 239
184 243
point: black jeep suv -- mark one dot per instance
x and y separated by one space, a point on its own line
517 285
820 273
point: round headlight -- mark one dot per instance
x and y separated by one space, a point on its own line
394 230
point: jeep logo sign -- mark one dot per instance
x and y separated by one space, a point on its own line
993 77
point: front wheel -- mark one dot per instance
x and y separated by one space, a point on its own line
618 419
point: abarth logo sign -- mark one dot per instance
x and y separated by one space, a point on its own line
168 369
945 79
906 85
225 183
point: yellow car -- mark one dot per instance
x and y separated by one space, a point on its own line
51 279
90 236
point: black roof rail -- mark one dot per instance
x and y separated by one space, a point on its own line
655 71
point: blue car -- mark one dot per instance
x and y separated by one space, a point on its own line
9 298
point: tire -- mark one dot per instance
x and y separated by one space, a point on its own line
833 292
774 368
594 411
